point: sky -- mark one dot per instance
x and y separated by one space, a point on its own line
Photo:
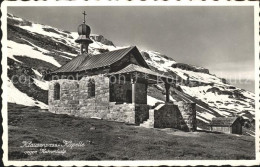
220 38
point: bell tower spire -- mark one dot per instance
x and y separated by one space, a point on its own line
83 39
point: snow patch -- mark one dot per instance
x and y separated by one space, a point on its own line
202 119
159 106
28 51
42 84
37 72
18 97
151 100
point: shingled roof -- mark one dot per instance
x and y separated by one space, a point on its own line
87 61
223 121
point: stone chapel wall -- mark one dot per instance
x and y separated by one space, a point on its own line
140 93
122 92
122 112
75 100
141 113
97 106
69 93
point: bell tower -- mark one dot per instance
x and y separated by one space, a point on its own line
83 39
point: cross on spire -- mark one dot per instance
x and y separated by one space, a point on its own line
84 14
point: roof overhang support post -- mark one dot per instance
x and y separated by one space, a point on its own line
167 88
133 82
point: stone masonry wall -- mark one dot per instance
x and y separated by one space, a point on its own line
75 100
141 113
140 93
121 91
168 116
180 116
188 112
69 101
121 112
97 106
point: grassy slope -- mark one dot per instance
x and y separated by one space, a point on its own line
106 140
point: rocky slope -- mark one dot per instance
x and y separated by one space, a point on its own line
35 49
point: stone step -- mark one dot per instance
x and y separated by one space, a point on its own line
147 124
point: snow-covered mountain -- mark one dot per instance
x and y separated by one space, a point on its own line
35 49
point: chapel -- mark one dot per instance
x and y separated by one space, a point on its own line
113 86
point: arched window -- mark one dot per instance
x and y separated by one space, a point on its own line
91 88
57 91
